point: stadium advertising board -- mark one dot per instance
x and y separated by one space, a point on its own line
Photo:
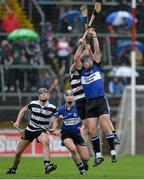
9 141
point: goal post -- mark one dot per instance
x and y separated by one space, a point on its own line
124 122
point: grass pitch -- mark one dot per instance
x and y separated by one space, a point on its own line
127 167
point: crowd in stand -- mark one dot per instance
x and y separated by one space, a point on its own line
53 51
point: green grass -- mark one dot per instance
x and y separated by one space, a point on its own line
127 167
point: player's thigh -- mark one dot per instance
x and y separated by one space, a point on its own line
43 138
91 124
83 152
68 142
81 107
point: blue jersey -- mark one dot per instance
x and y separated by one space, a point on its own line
92 81
71 119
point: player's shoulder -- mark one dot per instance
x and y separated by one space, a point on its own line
34 102
50 105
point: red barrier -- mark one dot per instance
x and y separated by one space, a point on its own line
9 141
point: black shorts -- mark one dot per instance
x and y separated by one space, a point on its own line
81 107
30 136
77 139
96 107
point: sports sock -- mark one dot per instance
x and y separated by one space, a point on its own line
96 146
110 139
80 166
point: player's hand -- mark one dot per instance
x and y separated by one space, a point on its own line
81 129
82 41
60 117
15 125
92 32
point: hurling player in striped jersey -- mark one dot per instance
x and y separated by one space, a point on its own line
41 113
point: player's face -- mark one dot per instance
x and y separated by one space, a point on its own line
88 64
43 96
69 98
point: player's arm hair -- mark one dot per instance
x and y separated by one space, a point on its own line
97 53
21 114
77 58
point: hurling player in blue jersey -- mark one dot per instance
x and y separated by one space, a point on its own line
71 131
96 103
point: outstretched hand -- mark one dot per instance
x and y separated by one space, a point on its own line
91 32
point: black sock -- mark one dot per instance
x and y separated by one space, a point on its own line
96 144
14 168
80 166
46 163
85 162
110 139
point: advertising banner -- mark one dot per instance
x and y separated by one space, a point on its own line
9 141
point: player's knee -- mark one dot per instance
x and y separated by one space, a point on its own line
45 143
92 131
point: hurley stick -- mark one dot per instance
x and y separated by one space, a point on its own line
84 12
97 9
18 129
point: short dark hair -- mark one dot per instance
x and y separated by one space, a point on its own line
40 90
68 91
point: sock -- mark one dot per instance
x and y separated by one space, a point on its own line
84 161
96 146
80 166
14 168
46 163
110 139
113 152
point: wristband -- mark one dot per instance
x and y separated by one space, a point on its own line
94 36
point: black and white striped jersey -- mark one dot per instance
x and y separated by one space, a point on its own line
76 85
41 116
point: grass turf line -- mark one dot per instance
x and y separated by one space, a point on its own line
127 167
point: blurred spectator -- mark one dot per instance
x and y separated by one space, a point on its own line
22 74
46 80
77 25
0 23
10 22
64 25
6 49
9 74
63 51
116 87
35 61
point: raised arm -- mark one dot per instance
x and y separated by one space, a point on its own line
78 55
97 53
